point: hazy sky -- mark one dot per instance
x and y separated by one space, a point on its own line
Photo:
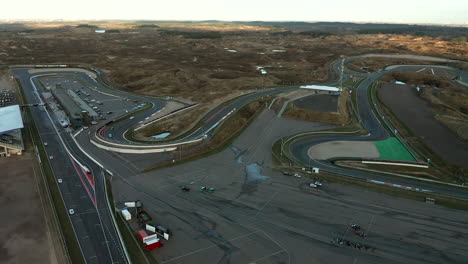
409 11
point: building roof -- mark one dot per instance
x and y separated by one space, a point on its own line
319 87
67 102
10 118
82 104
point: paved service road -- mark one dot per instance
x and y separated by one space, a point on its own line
91 220
300 147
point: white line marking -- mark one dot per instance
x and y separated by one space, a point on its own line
259 211
199 250
275 253
278 244
370 224
355 260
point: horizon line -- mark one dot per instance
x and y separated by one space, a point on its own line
217 20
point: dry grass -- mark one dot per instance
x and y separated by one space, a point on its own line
174 125
225 134
151 62
419 78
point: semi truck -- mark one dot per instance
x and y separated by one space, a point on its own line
137 204
150 242
159 230
126 214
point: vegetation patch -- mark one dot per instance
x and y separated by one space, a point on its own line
418 78
192 34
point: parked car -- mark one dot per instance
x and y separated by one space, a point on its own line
287 173
297 175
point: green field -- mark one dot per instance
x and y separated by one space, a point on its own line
392 149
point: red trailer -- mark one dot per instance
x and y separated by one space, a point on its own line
142 234
150 242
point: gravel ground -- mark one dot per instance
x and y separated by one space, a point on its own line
319 102
343 149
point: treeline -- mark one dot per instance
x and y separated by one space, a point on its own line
86 26
430 31
314 34
148 26
192 34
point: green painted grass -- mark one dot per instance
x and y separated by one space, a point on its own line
392 149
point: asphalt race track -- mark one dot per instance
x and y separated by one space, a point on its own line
256 214
300 147
91 221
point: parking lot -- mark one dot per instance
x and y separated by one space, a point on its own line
107 106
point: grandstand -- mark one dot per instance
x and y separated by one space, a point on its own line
11 122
